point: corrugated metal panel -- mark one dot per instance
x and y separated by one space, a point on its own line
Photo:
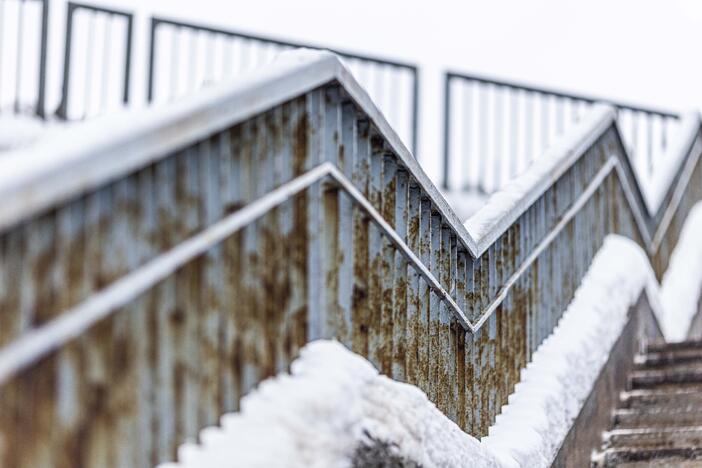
362 253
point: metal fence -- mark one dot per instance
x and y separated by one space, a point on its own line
97 61
142 296
186 56
494 129
23 39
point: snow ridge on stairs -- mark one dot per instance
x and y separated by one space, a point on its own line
659 422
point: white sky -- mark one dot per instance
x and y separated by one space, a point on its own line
643 51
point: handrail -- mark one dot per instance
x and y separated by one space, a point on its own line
70 324
148 136
455 309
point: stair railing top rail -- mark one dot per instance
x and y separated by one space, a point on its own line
494 287
29 185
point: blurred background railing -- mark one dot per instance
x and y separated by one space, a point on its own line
23 37
186 56
494 129
97 61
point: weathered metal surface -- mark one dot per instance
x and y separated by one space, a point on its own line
362 253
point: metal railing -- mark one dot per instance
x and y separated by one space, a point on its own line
186 56
494 129
23 39
157 274
97 61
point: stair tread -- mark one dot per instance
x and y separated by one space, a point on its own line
666 359
659 421
630 456
661 396
674 346
655 438
678 375
663 462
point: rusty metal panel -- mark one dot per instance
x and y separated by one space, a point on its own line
414 304
318 263
424 336
361 312
401 298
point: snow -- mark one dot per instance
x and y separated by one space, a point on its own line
657 187
682 282
465 203
528 186
554 385
17 131
332 402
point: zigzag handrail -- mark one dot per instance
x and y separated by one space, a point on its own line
27 193
71 323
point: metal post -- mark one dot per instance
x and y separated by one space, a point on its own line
41 93
415 113
447 129
62 111
128 59
152 47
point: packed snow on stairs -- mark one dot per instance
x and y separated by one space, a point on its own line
334 410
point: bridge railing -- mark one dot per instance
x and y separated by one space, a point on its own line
185 56
23 40
155 273
97 61
493 129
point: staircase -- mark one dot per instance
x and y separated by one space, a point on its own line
659 420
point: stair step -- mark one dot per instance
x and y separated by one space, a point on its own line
634 457
657 417
664 358
659 422
677 346
655 438
678 396
675 375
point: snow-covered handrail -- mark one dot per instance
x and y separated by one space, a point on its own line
456 310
